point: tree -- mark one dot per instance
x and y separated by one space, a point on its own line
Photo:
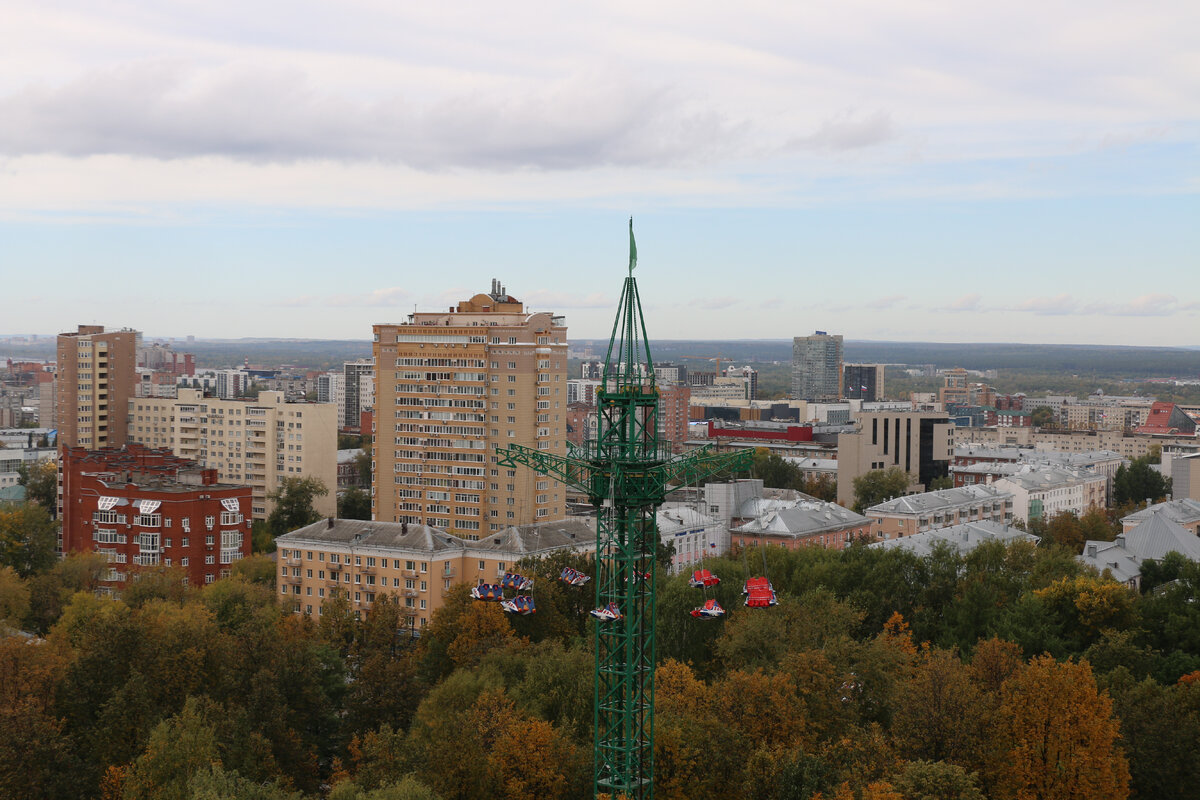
27 538
1042 417
41 485
937 780
354 504
1065 530
1139 482
822 487
775 471
937 715
14 599
179 749
878 485
1059 736
294 504
941 483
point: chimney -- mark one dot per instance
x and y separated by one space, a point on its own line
403 528
329 523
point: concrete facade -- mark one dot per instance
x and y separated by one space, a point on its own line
97 375
817 367
919 442
452 388
418 564
255 442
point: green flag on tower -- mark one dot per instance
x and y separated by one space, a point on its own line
632 248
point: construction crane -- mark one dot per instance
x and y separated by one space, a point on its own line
625 472
718 358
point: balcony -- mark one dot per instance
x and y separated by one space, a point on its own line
410 593
408 573
449 572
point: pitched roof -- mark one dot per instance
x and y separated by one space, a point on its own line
1156 536
963 537
522 540
1183 511
805 519
940 500
1160 535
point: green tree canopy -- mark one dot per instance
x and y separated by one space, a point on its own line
27 538
1138 482
41 485
294 504
354 503
878 485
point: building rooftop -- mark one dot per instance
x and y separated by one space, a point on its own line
1151 540
1037 478
940 500
802 518
1184 511
523 539
963 537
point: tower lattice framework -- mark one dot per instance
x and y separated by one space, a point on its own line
626 471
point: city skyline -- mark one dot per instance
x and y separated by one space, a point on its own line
1018 174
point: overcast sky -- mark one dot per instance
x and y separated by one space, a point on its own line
1027 171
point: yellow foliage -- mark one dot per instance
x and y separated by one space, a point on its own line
1061 736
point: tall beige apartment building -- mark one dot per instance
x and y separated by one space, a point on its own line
251 442
96 376
451 388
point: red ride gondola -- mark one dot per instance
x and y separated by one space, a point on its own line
703 579
759 593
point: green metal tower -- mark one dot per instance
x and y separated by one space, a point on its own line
626 472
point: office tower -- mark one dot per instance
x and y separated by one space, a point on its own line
863 382
96 377
451 387
817 367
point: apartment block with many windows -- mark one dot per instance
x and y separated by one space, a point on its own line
454 387
256 442
96 377
418 564
144 507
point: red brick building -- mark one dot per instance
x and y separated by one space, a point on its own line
144 507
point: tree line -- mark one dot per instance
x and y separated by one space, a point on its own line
1010 672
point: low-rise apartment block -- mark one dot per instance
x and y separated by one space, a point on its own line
253 442
918 513
418 564
1044 492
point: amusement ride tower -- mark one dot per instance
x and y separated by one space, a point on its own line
626 472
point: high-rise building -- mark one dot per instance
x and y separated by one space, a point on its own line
863 382
451 388
673 404
817 367
96 377
352 374
256 442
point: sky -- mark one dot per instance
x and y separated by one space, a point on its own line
916 171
